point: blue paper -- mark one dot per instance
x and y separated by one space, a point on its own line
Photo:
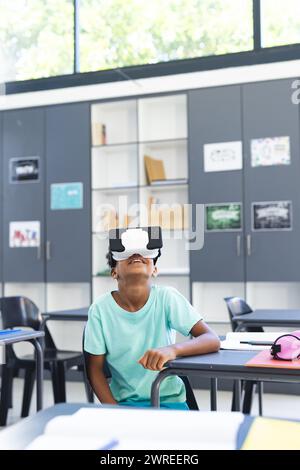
66 196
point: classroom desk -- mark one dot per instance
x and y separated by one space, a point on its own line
34 338
21 434
223 364
73 314
268 317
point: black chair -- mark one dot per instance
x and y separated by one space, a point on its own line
22 312
237 306
190 397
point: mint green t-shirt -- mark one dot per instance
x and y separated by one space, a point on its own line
125 336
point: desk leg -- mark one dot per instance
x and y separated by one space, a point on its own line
156 385
213 394
39 373
237 395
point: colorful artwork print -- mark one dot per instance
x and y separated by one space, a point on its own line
24 234
270 151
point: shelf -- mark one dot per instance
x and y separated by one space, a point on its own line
153 126
173 272
117 144
159 186
163 141
141 142
117 188
162 186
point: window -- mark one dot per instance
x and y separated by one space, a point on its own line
120 33
36 38
280 22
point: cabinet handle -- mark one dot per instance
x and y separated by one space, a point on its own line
249 251
48 252
38 251
238 245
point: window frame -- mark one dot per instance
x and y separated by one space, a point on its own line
258 55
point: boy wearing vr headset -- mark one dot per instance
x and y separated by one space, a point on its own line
134 327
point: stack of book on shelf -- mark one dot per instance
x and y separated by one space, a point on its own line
98 133
156 175
174 217
110 219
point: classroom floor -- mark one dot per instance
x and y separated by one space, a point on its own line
284 406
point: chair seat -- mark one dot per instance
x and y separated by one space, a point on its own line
52 355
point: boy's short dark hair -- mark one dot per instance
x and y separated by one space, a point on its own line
112 263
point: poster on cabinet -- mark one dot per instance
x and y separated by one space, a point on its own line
223 156
223 217
272 215
23 170
66 196
270 151
24 234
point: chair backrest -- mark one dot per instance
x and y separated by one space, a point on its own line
238 306
20 311
86 356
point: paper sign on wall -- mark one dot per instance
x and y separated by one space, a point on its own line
270 151
272 215
24 234
223 156
66 196
24 169
223 217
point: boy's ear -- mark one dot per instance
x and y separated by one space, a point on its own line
113 273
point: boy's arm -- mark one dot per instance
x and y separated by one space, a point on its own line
204 341
97 379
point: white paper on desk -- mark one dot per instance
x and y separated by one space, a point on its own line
233 340
149 428
56 442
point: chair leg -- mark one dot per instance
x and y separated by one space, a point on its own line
55 381
62 382
260 389
28 389
88 389
190 397
6 389
248 396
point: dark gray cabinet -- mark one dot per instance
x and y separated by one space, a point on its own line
214 117
68 245
23 201
1 198
268 111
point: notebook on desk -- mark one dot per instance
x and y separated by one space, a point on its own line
271 434
264 359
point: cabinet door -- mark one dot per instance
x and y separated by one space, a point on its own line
23 195
215 117
273 251
68 161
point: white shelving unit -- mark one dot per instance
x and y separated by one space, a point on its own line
123 132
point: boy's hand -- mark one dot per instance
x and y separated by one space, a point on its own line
154 359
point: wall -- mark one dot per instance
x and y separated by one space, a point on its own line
209 295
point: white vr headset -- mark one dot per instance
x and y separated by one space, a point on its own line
145 241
